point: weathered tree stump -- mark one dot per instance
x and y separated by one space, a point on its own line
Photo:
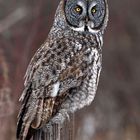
56 132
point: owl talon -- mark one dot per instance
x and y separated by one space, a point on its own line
60 117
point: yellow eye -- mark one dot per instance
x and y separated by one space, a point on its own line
78 9
93 10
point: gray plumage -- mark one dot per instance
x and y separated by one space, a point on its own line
63 74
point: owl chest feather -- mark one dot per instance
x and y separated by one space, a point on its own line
70 61
83 61
85 55
90 64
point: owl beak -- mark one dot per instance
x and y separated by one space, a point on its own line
86 20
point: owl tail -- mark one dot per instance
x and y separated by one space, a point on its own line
33 115
26 117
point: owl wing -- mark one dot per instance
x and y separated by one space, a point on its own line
45 78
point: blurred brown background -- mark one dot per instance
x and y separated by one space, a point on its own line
115 112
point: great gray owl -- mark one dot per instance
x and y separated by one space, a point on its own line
63 74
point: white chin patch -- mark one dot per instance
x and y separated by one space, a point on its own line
82 29
92 31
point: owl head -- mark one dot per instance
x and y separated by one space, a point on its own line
86 15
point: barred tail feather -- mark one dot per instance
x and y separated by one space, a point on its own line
33 115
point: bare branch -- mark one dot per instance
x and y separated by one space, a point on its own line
13 18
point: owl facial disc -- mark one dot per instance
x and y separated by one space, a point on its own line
85 15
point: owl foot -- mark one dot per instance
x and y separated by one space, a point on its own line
56 123
60 117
